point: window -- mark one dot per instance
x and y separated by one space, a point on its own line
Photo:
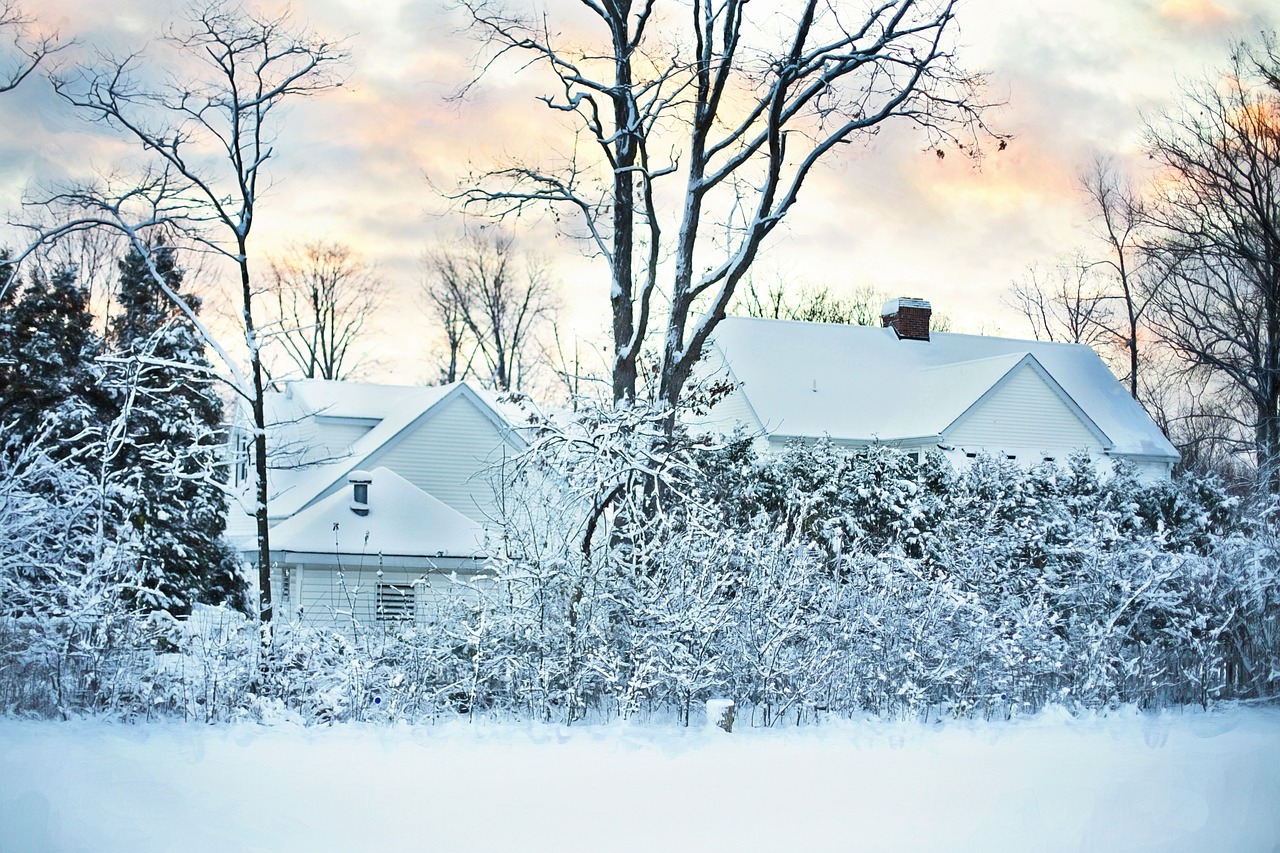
242 458
395 602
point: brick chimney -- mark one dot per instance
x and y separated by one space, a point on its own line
907 316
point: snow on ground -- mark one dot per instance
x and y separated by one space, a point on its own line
1178 781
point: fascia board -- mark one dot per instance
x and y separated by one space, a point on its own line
908 440
1146 457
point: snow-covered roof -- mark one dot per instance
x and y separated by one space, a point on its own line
401 521
861 383
305 460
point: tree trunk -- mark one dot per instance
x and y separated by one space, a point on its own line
259 442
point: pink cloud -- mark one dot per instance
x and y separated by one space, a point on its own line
1195 12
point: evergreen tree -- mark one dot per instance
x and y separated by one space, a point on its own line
51 382
8 296
171 448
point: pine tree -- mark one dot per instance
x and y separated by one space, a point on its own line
8 296
51 385
169 458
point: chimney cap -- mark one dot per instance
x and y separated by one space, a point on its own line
891 307
359 477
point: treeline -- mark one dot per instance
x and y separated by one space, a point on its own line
638 582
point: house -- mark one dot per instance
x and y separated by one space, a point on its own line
382 499
907 386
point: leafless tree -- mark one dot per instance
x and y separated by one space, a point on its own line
30 53
450 314
322 295
1119 214
1216 241
736 104
14 27
821 304
1067 303
1199 412
816 304
205 135
490 299
1099 298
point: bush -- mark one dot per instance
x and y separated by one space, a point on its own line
814 582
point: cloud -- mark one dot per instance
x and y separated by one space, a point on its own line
352 165
1200 13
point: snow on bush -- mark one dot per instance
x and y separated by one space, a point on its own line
641 578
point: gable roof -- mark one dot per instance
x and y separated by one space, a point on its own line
304 469
402 521
860 383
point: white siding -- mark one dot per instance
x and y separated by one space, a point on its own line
241 526
1152 471
453 456
732 411
1026 414
323 597
337 438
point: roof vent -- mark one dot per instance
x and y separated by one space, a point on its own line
360 481
908 317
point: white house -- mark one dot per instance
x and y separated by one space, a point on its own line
909 387
381 498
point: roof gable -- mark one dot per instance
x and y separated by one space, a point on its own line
1027 407
304 471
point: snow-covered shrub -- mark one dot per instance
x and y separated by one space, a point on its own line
67 636
640 575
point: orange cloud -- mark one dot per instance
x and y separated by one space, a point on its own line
1197 12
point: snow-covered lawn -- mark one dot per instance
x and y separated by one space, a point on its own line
1126 781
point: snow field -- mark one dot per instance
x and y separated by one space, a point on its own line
1179 781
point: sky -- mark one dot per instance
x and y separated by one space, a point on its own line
368 164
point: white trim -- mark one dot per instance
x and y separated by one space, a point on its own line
911 441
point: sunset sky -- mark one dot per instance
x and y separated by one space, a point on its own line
365 165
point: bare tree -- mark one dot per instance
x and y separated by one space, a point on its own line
13 70
1066 303
205 135
1199 412
490 299
741 101
322 295
450 312
1119 215
30 52
1216 237
818 304
1097 298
